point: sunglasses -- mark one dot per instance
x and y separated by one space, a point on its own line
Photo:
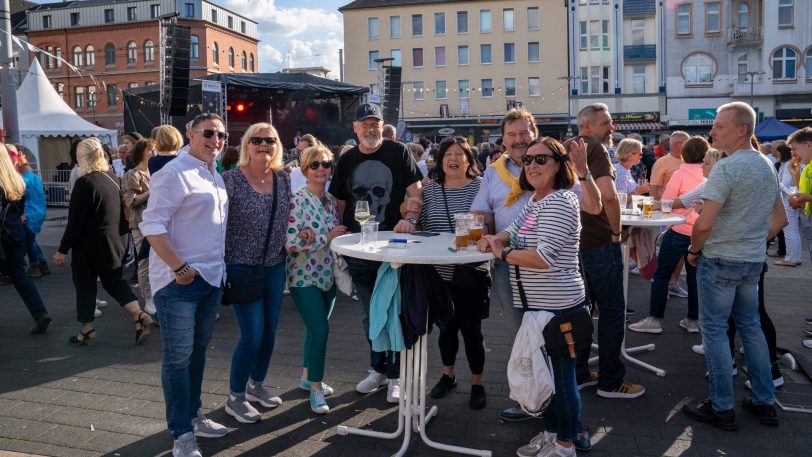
328 164
540 159
209 133
257 140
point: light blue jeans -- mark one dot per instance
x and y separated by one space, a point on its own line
731 287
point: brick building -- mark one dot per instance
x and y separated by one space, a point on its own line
117 43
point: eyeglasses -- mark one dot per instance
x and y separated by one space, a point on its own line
257 140
453 139
209 133
327 164
540 159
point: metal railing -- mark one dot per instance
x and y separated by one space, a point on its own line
55 184
640 52
736 35
639 7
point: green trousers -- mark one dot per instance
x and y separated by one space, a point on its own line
315 306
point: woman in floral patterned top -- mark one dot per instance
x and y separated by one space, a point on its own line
251 187
312 224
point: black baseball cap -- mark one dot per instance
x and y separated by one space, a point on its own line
366 110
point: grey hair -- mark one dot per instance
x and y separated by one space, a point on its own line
745 115
588 112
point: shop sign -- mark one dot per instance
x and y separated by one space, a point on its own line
636 117
446 131
701 114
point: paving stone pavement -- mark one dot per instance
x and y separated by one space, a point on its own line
58 400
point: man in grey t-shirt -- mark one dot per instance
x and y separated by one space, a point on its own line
742 210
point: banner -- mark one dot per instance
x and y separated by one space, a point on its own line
212 97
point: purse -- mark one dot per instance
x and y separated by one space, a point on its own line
247 286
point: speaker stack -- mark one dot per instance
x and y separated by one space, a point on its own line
391 94
175 96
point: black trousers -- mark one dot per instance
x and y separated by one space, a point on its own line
84 280
767 325
467 321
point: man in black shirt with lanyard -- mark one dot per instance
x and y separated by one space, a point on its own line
382 173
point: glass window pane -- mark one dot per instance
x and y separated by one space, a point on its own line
439 23
462 21
394 26
508 22
463 86
417 57
510 52
533 87
418 90
510 87
533 52
485 21
462 55
396 55
439 56
533 22
485 53
417 25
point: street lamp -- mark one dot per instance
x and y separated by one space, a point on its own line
569 79
751 74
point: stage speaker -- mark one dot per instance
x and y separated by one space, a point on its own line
391 94
176 70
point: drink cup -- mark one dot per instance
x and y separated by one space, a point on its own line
648 207
621 198
369 235
665 206
637 203
476 228
462 226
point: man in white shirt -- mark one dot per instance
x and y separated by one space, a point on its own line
185 224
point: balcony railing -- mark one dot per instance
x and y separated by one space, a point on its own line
640 52
737 36
639 7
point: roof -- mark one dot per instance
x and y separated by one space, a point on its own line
19 16
289 81
361 4
772 129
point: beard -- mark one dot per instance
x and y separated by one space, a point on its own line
371 142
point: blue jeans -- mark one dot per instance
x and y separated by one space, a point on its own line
364 273
673 248
731 287
35 255
14 268
258 323
186 314
502 295
603 268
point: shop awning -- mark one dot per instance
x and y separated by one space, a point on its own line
627 126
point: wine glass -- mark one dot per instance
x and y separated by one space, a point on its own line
362 211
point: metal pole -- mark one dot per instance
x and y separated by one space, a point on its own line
8 90
341 65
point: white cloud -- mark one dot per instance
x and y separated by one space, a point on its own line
279 21
270 54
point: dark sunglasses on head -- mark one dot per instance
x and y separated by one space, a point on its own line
324 164
540 159
257 140
453 139
209 133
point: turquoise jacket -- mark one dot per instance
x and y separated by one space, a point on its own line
384 311
34 202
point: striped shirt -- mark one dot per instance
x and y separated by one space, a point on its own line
553 226
434 217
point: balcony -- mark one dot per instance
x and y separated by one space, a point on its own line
639 7
744 37
639 52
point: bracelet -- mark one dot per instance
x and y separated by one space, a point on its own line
695 253
185 268
180 267
614 234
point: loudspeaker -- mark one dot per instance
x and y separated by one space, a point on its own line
391 94
176 70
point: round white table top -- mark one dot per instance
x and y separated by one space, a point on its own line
656 220
431 250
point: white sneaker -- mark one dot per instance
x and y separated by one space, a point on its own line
393 390
647 325
371 383
689 325
149 307
536 445
677 291
186 446
807 344
97 313
788 360
207 428
777 382
635 271
699 349
101 303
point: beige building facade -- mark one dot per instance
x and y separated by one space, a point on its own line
463 62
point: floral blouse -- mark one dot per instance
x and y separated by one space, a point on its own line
310 264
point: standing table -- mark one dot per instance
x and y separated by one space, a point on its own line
412 405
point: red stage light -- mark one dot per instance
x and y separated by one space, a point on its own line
240 107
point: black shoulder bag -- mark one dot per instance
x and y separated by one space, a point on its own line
241 286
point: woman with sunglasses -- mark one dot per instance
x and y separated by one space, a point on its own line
541 247
312 226
252 187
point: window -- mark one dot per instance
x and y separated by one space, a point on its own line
786 11
194 47
394 26
58 58
215 53
534 87
584 80
510 87
485 54
109 15
132 52
74 21
132 85
154 10
418 90
77 56
595 80
510 52
91 97
244 61
439 23
439 56
594 34
373 32
60 89
374 89
698 69
46 21
149 52
190 10
90 56
638 32
251 62
784 64
508 20
533 20
417 57
684 19
743 16
133 15
50 63
231 22
214 16
713 18
533 51
79 98
462 55
808 64
242 26
583 34
741 64
373 56
605 34
485 21
440 90
417 25
231 57
112 98
463 87
638 79
396 54
487 88
462 22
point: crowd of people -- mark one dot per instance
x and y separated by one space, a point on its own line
258 222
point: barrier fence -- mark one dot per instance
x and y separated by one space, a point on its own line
55 184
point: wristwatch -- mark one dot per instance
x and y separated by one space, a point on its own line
505 252
587 176
412 221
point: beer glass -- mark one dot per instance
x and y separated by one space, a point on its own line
665 206
648 207
476 229
461 231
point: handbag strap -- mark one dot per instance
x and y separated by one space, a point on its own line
447 212
270 222
522 295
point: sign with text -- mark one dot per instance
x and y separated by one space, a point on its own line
636 117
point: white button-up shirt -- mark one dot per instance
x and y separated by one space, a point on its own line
188 203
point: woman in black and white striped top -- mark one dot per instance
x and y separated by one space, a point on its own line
451 190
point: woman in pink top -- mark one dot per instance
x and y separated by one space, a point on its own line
675 243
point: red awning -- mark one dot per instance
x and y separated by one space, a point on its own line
638 126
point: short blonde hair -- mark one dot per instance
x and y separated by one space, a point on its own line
245 157
313 154
167 138
626 147
344 149
90 155
714 155
745 115
10 180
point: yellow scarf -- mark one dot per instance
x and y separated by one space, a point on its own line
805 186
508 178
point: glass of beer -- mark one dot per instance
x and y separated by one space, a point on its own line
665 206
648 207
476 228
462 233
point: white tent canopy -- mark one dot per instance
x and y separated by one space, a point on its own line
43 113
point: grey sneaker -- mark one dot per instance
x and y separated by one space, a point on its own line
536 445
207 428
677 291
393 391
186 446
647 325
689 325
261 394
240 409
371 383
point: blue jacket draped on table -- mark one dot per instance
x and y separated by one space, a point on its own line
384 311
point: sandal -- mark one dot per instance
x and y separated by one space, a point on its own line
87 339
142 327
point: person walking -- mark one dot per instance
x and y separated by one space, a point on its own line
34 218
